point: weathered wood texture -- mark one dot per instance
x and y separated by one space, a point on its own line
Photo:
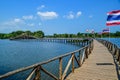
99 66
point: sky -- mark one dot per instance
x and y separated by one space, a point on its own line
56 16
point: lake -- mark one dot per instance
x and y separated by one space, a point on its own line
20 53
114 40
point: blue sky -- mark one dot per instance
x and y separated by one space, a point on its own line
56 16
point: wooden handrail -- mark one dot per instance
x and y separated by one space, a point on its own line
38 67
115 50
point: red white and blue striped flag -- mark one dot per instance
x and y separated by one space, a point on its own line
113 18
106 30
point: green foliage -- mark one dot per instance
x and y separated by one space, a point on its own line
2 36
37 34
15 33
40 34
117 34
85 35
28 33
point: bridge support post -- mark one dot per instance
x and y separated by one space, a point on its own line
37 73
86 52
119 56
60 68
80 58
73 62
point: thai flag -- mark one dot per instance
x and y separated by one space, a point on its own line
106 30
113 18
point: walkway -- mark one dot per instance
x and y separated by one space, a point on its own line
99 66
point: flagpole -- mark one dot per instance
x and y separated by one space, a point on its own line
109 33
101 35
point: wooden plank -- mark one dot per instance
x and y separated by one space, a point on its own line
31 74
80 58
119 56
50 74
73 63
86 52
83 56
37 73
67 67
60 68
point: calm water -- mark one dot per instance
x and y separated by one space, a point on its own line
114 40
21 53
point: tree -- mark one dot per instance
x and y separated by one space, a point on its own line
39 34
29 33
16 33
117 34
66 35
79 34
55 35
2 36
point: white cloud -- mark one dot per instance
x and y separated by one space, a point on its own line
27 17
16 20
47 15
78 13
72 15
41 7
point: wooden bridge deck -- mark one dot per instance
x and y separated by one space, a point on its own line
99 66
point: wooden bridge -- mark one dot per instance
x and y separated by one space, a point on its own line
99 66
102 64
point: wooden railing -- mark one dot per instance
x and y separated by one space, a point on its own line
114 49
66 40
76 41
38 68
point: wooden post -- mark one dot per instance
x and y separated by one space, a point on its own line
80 58
37 73
31 74
119 56
92 45
73 62
67 67
60 68
113 49
86 52
87 42
89 49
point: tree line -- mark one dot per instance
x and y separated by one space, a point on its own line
40 34
37 34
85 35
